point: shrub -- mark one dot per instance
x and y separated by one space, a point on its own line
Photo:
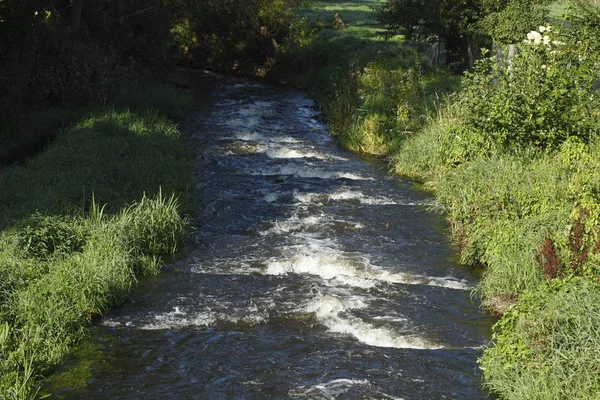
48 308
240 35
541 97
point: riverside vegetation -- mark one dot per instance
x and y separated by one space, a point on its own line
511 152
81 223
96 173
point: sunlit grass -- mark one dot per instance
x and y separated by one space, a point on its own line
552 340
358 16
80 224
557 9
352 12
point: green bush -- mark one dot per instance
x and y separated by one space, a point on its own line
47 304
153 225
240 35
541 97
63 258
382 101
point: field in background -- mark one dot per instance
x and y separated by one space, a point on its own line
357 15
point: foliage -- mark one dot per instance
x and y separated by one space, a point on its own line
387 92
51 58
513 162
463 25
64 258
507 21
49 313
556 98
455 22
44 236
546 348
237 34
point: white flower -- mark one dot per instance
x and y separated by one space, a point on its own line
546 40
542 29
535 37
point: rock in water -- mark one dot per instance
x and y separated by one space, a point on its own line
338 23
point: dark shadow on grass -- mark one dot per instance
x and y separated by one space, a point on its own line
113 155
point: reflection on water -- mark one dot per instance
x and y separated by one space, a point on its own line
313 274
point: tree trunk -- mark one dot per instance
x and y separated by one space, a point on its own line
76 13
120 34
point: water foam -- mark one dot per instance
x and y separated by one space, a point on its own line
259 137
178 318
308 172
281 153
332 312
323 260
300 224
295 223
272 197
329 267
348 195
246 123
332 389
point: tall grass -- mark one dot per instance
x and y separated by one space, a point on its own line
553 338
80 225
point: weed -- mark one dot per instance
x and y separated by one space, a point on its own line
548 259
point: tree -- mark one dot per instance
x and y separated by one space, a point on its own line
507 21
453 21
236 34
462 23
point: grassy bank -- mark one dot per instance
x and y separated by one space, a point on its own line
81 223
369 88
512 157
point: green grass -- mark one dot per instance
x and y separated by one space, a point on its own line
558 8
80 224
369 88
548 347
116 155
331 49
357 15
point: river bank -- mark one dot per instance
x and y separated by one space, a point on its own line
82 222
529 217
312 275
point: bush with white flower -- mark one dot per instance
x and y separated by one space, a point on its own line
540 97
541 36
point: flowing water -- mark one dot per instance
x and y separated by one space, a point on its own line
313 275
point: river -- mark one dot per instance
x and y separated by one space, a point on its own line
311 274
